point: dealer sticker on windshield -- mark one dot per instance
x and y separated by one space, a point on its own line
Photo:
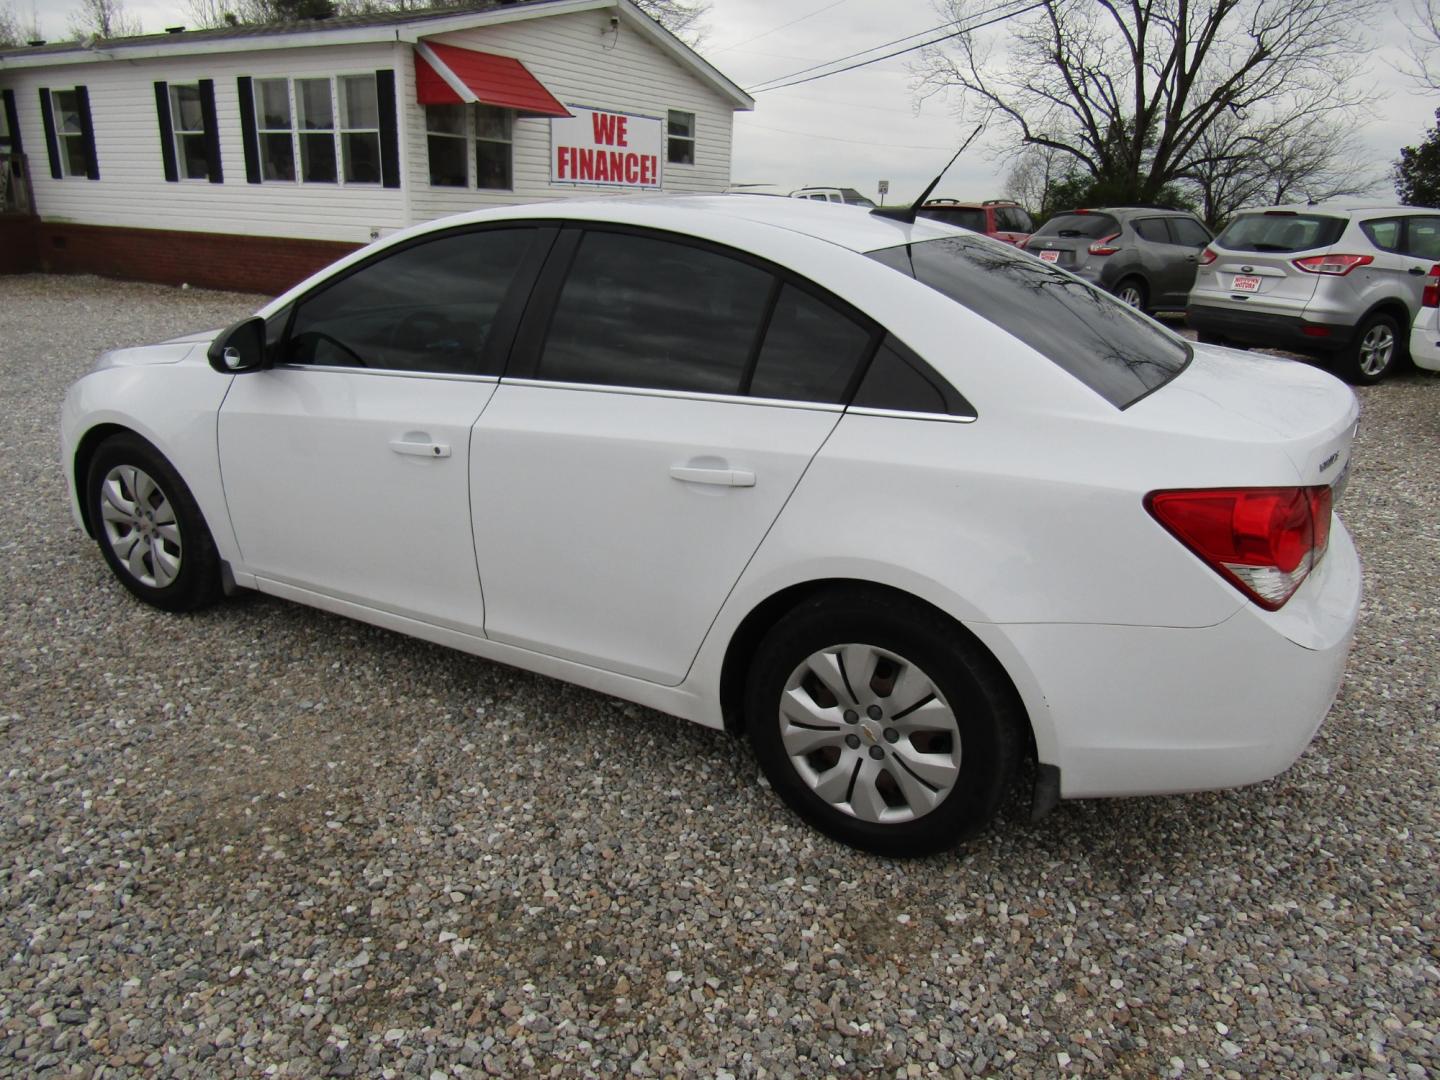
1049 256
1245 283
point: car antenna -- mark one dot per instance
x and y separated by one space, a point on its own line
908 214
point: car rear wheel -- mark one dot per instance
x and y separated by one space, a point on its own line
881 724
1132 292
1375 351
149 527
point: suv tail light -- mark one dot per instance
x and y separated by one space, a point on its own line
1102 246
1430 297
1207 257
1334 265
1264 541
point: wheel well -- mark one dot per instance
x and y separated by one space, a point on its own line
89 443
745 642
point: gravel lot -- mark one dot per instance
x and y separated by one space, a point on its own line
263 840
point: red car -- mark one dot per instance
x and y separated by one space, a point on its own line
1000 218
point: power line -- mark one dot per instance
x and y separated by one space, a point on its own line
899 52
862 52
782 26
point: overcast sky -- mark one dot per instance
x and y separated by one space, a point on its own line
858 128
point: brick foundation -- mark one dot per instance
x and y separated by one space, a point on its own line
263 264
18 253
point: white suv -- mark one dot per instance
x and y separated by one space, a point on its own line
1331 280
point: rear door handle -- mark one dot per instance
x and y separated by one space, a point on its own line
1417 271
412 447
692 474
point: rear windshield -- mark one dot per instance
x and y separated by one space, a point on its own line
1109 347
966 217
1090 226
1281 232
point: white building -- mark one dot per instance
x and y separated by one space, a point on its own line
249 156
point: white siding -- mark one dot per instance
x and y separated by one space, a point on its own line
569 54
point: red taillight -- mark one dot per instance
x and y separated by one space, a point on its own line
1430 296
1102 246
1207 257
1264 541
1334 265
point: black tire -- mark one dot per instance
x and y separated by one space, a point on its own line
988 722
1132 286
172 560
1207 338
1374 353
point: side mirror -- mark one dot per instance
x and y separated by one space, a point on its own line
239 348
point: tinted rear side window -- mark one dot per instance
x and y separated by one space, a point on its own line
810 351
1153 229
963 217
1119 354
1283 232
1091 226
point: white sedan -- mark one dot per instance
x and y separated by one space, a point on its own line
901 504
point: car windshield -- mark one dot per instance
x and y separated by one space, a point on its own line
1091 226
966 217
1281 231
1117 352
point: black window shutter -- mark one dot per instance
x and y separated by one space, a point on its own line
167 131
248 137
389 129
52 143
82 103
12 120
212 131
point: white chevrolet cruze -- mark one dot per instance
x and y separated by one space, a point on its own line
898 502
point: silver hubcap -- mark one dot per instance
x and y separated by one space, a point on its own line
870 734
1375 349
140 526
1129 295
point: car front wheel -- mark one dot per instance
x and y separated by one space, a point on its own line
880 723
149 527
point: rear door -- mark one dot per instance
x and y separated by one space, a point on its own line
664 399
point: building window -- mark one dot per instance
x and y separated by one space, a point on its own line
326 149
70 133
447 135
681 127
5 138
187 117
493 157
275 130
360 129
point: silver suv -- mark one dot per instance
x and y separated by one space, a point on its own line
1146 257
1331 280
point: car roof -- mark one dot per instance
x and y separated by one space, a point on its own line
1339 206
964 205
851 227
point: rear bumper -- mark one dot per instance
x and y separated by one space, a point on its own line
1159 710
1266 329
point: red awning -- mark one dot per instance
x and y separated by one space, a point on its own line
449 75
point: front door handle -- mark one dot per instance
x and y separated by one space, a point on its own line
415 445
692 474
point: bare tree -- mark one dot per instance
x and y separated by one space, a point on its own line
1034 176
9 27
103 19
1127 90
1422 59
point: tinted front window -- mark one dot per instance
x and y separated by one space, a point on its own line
810 350
1118 353
650 313
1090 226
964 217
427 307
1281 232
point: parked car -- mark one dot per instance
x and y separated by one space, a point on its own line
1333 280
1425 331
846 195
1000 219
1147 257
770 467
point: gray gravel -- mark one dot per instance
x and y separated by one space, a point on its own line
262 840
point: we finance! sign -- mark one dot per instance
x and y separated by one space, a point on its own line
594 146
